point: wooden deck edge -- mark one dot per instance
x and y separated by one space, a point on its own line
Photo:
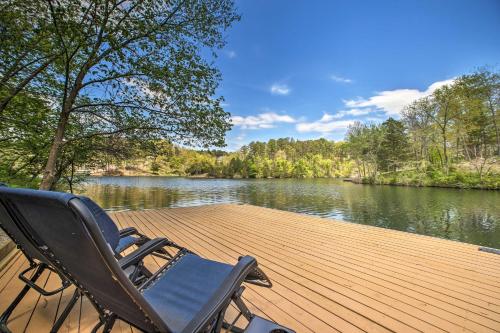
6 245
7 253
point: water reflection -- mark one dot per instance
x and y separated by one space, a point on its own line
465 215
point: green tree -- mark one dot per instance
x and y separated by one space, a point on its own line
301 169
420 131
394 146
443 108
132 67
282 168
26 49
480 93
24 140
365 144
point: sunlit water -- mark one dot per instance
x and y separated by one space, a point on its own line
471 216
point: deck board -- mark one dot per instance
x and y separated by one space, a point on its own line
329 276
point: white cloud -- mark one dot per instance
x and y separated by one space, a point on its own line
261 121
280 89
383 104
340 79
231 54
392 102
236 142
325 125
352 112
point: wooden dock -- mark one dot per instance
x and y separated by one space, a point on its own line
329 276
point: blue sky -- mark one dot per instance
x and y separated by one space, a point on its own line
307 69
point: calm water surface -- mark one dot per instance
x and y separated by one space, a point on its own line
467 215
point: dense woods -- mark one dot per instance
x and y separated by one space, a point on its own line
281 158
450 138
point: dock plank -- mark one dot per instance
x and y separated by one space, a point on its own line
329 276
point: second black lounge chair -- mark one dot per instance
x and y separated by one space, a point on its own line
188 294
119 240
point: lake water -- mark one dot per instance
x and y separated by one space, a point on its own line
471 216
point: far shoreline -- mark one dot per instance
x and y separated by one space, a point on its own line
354 180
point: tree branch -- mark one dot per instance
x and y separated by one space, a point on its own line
110 78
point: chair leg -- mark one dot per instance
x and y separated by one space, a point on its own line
96 327
244 311
107 321
6 314
220 321
66 311
108 326
242 306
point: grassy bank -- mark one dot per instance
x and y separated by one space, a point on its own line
435 178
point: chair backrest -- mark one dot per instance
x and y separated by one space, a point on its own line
14 231
65 230
108 227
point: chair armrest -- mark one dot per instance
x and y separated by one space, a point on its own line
223 295
128 232
149 247
129 237
259 278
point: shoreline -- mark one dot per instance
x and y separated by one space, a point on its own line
353 180
448 186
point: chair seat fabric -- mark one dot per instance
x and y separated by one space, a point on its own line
185 288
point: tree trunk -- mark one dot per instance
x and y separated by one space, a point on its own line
497 131
440 158
445 152
49 174
359 168
71 176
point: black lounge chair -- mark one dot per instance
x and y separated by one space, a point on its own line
119 240
188 294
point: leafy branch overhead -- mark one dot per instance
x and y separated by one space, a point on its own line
120 66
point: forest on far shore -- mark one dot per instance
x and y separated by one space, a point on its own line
450 138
